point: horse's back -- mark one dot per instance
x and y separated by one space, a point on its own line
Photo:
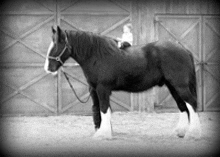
175 49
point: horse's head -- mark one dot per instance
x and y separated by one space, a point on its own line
58 51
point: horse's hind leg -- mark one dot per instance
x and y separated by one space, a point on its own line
183 123
195 126
190 100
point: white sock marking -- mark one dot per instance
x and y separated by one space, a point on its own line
105 130
195 126
182 125
106 118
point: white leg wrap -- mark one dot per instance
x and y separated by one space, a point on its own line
105 130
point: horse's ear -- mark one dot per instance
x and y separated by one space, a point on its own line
60 33
58 29
53 30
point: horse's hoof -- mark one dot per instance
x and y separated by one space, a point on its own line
181 132
102 135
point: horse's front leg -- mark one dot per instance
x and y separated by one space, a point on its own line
95 109
105 130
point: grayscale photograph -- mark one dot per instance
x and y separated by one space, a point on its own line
109 78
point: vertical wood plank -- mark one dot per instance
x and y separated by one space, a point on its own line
203 7
59 77
135 24
134 19
148 10
193 7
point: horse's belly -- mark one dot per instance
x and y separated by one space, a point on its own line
136 85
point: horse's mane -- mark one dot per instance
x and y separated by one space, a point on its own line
87 44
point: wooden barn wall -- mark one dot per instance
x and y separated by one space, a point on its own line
26 89
25 35
144 30
145 11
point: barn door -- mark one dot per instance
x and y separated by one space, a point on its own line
201 35
98 16
25 36
185 30
211 57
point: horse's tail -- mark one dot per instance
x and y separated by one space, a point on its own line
192 81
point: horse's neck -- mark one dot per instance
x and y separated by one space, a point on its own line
83 62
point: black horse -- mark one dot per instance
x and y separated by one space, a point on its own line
133 69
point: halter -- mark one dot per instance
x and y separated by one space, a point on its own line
58 58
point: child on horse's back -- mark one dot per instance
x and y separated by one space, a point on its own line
127 37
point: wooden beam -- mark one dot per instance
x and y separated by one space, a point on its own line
19 38
73 103
120 5
210 26
216 78
37 27
176 38
31 48
95 13
74 78
39 102
165 99
71 24
211 100
120 103
43 5
21 65
8 97
189 29
72 4
3 50
26 13
32 82
23 87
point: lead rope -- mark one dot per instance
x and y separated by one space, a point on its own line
74 91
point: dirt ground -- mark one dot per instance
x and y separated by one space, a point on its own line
135 134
